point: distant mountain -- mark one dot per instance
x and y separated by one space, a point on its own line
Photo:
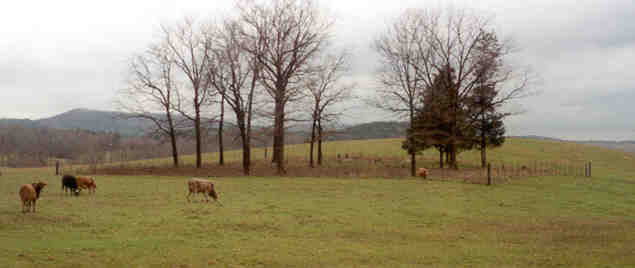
373 130
22 122
110 121
534 137
93 120
627 146
85 119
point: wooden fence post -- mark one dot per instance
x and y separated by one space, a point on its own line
589 169
57 167
489 174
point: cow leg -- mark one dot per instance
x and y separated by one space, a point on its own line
34 205
188 196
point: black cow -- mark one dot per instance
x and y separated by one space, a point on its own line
70 182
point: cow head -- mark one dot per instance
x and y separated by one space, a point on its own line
38 188
212 192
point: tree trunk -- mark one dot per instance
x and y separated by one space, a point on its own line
453 162
175 153
246 156
221 151
413 159
447 154
483 157
319 138
278 147
483 150
244 136
413 164
483 141
197 128
247 138
311 144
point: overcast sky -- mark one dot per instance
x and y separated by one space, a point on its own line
59 55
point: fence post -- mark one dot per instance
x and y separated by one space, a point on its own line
589 169
489 174
57 167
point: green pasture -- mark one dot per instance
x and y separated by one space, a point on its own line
515 151
145 221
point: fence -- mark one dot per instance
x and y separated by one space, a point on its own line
353 166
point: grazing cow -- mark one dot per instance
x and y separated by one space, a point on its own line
29 193
206 187
423 172
70 182
86 183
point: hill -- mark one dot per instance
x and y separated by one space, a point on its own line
627 146
86 119
111 121
93 120
373 130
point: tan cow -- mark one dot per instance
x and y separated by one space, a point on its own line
423 172
87 183
29 193
196 185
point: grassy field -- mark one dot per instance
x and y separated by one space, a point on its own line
145 221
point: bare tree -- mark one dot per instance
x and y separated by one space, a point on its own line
459 39
189 45
283 37
453 39
326 91
234 75
397 76
153 94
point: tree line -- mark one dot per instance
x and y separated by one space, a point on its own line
268 62
28 146
447 71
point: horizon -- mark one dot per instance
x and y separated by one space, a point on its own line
516 135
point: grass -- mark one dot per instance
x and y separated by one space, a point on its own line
515 150
145 221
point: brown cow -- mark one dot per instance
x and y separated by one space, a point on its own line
423 172
86 183
29 193
206 187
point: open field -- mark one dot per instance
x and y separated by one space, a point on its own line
145 221
515 150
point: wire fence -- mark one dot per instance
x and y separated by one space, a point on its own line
348 166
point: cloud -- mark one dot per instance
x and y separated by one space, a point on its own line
69 54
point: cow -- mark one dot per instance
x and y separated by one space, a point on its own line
196 185
86 183
69 182
29 193
423 172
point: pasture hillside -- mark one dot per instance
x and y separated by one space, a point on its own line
515 152
145 221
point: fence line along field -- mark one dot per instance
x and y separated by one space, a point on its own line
519 158
146 221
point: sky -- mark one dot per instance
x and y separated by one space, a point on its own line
60 55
